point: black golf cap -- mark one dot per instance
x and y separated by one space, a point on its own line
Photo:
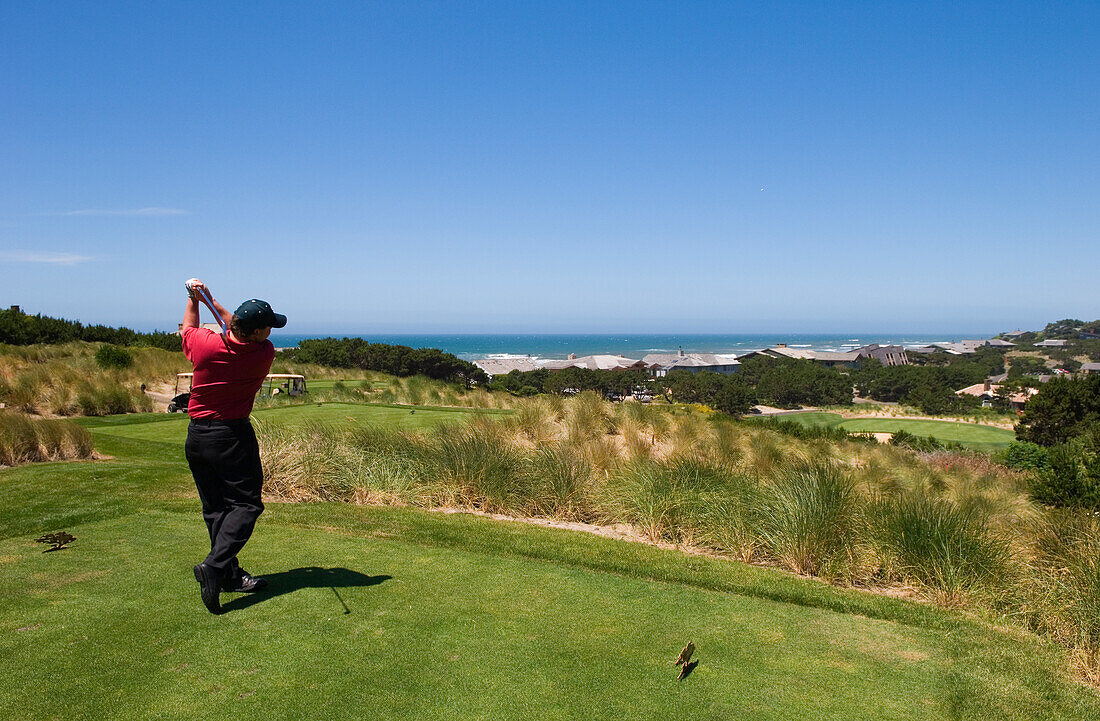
258 314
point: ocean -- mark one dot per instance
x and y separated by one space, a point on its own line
550 346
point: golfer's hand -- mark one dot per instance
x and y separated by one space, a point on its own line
196 288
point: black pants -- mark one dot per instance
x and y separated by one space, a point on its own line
225 461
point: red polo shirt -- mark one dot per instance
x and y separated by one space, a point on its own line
227 374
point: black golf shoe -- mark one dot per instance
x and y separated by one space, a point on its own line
241 582
209 587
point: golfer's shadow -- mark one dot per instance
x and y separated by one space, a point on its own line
308 577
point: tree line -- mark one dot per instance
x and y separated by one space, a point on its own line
397 360
786 383
783 383
19 328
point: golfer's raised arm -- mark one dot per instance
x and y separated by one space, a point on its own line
191 312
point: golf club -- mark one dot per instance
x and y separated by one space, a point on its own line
209 302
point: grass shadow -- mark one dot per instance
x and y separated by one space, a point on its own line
285 582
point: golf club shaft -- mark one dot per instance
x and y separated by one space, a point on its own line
210 303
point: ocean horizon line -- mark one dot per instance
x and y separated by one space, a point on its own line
471 346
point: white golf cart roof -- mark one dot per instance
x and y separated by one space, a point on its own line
295 377
269 375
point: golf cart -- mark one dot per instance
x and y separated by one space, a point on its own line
275 383
180 400
289 383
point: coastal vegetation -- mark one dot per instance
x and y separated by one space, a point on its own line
1062 424
19 328
79 378
956 533
969 435
396 360
417 614
26 439
947 526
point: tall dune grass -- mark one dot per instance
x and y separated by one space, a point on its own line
65 379
811 519
944 547
28 440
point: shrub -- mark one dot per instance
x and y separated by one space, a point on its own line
1024 456
111 356
1071 477
922 444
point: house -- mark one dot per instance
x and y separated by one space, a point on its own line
999 343
504 366
972 345
1087 368
949 348
209 326
887 355
987 391
597 363
829 359
1052 343
663 363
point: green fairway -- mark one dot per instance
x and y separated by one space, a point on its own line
327 384
812 418
399 613
173 427
967 434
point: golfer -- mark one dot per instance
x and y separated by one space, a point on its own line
221 446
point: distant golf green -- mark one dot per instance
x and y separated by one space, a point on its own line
968 434
399 613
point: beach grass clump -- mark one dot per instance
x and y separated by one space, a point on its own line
765 452
729 520
483 469
947 549
534 420
561 483
108 398
1062 597
811 519
689 438
588 418
636 438
25 439
18 441
727 447
412 390
668 500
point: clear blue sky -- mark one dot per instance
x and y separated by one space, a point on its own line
480 167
